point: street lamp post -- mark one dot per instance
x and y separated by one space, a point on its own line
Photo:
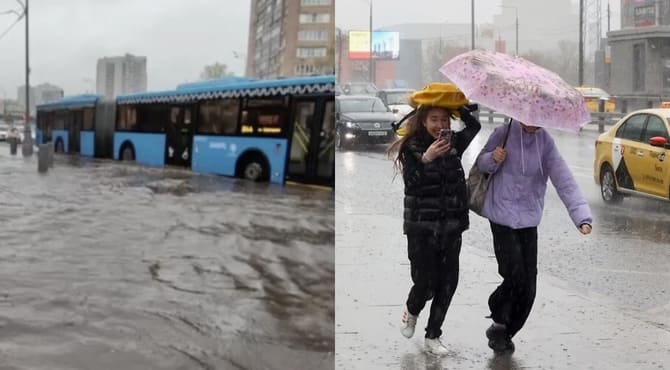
371 66
27 145
472 23
516 15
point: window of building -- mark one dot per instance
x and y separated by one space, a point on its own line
218 116
638 67
315 18
313 35
307 69
311 52
315 2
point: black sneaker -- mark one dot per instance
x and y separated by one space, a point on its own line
499 341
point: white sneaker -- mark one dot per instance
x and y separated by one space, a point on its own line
407 323
435 347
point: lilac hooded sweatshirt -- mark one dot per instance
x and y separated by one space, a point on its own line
515 197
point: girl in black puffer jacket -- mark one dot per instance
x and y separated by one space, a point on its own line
435 215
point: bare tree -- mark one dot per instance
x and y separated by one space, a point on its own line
214 71
435 54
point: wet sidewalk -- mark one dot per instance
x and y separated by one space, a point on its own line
566 329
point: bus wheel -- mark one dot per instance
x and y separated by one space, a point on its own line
59 148
254 168
127 153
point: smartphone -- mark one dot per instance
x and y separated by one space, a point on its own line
446 134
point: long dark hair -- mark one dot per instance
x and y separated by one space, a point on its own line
413 128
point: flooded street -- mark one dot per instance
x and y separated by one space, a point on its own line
111 266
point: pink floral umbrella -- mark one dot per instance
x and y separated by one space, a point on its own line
518 88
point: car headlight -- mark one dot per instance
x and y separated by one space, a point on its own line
352 124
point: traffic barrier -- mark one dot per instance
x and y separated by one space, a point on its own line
43 158
50 150
602 119
13 145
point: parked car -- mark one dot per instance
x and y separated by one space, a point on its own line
4 131
630 158
592 95
397 100
362 119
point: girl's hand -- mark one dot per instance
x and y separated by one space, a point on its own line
585 229
499 154
436 149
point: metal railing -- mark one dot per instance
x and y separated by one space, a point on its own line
601 119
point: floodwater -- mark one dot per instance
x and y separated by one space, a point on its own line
112 266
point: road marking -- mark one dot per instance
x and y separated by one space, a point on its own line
633 272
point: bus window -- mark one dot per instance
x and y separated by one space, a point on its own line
152 118
174 114
59 120
187 116
89 114
270 123
218 116
302 125
127 119
265 116
246 123
41 120
327 145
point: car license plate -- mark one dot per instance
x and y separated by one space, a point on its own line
377 133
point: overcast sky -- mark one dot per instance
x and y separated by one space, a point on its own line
178 37
354 14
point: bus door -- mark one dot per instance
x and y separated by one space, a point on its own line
312 154
74 130
179 135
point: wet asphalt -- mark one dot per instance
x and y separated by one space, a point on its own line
603 300
105 265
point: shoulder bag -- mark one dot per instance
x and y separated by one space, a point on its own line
477 182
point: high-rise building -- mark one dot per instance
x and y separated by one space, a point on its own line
121 75
39 94
291 38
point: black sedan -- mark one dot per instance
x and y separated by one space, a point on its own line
363 119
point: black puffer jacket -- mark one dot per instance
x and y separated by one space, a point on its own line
435 192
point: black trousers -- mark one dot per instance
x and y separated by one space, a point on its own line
516 253
434 267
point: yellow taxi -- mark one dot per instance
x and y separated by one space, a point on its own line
593 94
630 158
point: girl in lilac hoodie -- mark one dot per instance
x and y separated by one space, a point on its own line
514 204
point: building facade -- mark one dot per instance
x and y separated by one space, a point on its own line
291 38
121 75
639 55
39 94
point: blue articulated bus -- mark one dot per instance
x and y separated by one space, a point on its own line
262 130
81 124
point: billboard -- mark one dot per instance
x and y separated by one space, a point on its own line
645 15
385 45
